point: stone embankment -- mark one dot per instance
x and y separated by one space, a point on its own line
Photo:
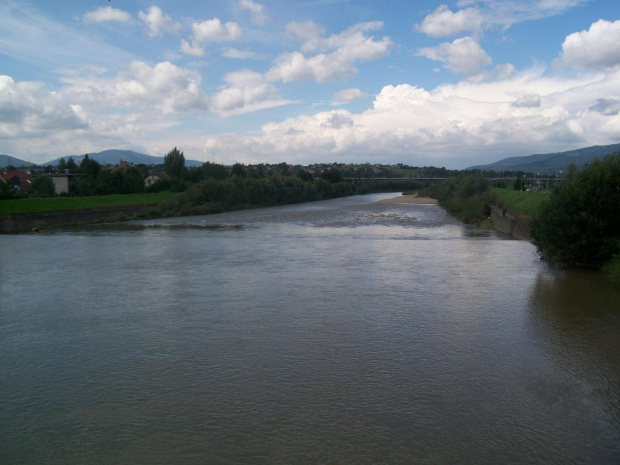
511 222
21 222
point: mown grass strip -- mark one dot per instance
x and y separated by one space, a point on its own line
35 204
529 203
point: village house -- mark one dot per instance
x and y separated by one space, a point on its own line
18 179
152 178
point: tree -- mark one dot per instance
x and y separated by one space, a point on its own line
71 165
238 170
44 186
332 175
61 165
214 171
134 181
88 180
174 163
579 224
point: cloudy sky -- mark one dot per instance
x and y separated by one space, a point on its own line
264 81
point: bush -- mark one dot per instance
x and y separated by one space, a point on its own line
467 197
580 224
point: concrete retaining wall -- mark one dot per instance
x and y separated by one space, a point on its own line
21 222
507 223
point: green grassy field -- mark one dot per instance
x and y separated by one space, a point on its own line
525 202
34 204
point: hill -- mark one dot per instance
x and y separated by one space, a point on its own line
6 160
551 163
113 157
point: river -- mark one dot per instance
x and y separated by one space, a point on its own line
336 332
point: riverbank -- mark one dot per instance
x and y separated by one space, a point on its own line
413 198
34 221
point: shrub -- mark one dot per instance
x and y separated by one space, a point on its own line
580 224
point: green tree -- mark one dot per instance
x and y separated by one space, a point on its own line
61 166
174 163
134 181
580 223
71 165
44 186
238 170
332 175
90 169
214 171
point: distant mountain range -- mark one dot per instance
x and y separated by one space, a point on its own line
551 162
107 157
6 160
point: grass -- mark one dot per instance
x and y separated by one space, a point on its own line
37 204
524 202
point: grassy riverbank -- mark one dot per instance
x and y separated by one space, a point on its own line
528 203
40 204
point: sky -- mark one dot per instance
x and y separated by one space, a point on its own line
451 84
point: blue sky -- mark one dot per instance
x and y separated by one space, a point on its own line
419 82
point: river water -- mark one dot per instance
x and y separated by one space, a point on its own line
337 332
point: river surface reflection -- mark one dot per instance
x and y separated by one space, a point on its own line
333 332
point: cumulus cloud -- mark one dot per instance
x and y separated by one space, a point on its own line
164 88
594 49
463 55
342 97
607 106
245 91
443 22
27 109
526 113
107 14
158 22
211 30
527 101
340 52
257 11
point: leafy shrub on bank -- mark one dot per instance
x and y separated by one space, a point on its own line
468 198
579 225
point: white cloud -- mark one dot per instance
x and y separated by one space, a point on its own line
506 13
345 49
504 71
594 49
241 54
158 22
462 55
443 22
192 49
342 97
257 11
607 106
454 124
211 30
27 110
164 88
245 91
527 101
107 14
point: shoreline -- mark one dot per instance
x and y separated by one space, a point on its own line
410 199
